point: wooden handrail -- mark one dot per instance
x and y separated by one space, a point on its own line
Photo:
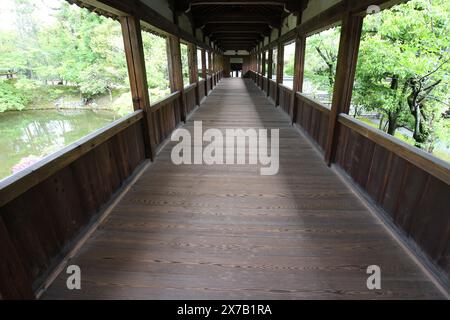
17 184
427 162
190 87
314 103
284 87
164 101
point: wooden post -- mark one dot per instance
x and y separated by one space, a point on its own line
299 66
134 51
176 71
210 68
345 75
280 67
193 70
14 281
269 70
270 64
263 64
204 70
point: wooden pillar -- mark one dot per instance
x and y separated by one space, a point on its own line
193 70
270 64
263 63
204 71
210 69
269 70
280 67
345 75
176 72
134 51
299 66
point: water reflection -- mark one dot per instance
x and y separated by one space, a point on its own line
28 136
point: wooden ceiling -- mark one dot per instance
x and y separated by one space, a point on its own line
238 24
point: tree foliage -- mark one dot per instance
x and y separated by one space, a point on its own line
74 48
402 72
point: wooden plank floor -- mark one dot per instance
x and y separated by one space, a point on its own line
226 232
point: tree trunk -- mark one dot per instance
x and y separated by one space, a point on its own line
392 124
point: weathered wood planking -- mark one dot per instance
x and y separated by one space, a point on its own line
313 118
43 222
226 232
273 91
208 84
265 83
201 89
285 98
413 193
190 98
167 117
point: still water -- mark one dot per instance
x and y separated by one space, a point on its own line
27 136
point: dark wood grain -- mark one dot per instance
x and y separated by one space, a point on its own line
404 183
43 223
226 232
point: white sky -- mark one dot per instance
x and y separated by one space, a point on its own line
43 13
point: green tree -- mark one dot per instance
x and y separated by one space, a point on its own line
403 68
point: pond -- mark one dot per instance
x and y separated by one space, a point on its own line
27 136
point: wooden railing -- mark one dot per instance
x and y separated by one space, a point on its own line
167 116
189 97
46 207
265 84
273 90
285 97
208 84
201 89
410 186
313 117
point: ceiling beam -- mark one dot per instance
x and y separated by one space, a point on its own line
231 28
242 18
238 2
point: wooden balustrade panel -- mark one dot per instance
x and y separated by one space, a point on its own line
190 100
265 84
314 121
417 202
44 222
208 85
201 89
167 118
273 91
285 99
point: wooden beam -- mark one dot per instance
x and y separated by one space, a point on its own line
280 68
263 63
345 76
176 72
270 64
231 17
134 52
204 70
299 66
238 2
193 70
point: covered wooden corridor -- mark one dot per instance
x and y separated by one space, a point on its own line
226 232
347 195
